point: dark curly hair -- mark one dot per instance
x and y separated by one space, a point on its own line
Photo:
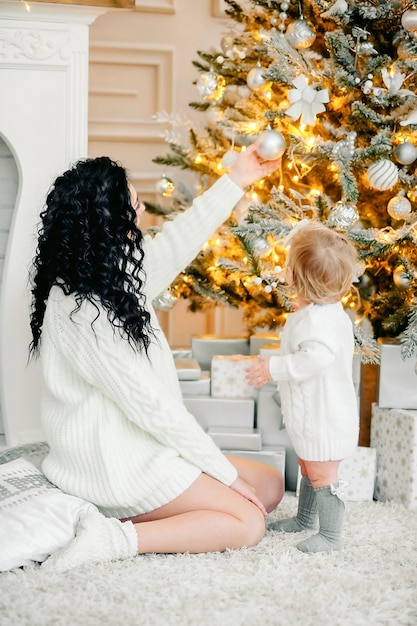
89 245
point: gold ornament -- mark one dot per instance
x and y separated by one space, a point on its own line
383 174
399 207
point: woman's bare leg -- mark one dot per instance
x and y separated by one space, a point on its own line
207 517
267 481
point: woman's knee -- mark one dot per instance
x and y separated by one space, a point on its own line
253 527
274 488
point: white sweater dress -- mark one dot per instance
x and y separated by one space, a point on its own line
314 373
119 433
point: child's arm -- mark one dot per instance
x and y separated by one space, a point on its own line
258 375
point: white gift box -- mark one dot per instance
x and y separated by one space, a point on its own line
228 376
234 412
187 369
199 387
397 382
260 339
273 456
394 435
236 438
204 347
358 472
268 413
269 349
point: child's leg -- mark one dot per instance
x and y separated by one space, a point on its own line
331 508
307 508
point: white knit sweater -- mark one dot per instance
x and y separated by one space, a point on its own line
119 433
314 370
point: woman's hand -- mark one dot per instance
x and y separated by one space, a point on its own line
250 167
258 375
248 492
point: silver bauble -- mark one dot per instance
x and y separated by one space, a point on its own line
405 153
164 186
399 207
409 20
255 79
383 174
300 35
343 215
211 86
165 301
271 144
401 278
229 159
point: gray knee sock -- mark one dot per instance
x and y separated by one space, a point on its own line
331 510
306 513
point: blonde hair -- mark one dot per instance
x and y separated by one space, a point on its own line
323 263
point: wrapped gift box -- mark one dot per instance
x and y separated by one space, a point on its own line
199 387
260 339
394 435
236 438
359 471
397 382
269 349
273 456
204 347
234 412
187 369
268 413
228 376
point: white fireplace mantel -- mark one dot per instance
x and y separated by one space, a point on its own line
43 121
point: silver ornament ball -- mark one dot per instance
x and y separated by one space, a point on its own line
211 86
271 144
300 35
229 159
343 215
409 20
255 79
399 207
401 278
405 153
382 175
165 187
165 301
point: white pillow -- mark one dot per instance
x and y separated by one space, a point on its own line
36 518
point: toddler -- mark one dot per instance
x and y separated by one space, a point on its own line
314 372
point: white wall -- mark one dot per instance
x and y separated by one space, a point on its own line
141 64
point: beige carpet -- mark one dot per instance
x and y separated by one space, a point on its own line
372 582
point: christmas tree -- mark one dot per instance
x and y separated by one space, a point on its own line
330 85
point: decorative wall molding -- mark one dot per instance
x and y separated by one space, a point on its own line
120 109
27 45
155 6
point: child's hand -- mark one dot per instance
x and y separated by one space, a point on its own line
258 375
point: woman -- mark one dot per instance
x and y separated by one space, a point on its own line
119 433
